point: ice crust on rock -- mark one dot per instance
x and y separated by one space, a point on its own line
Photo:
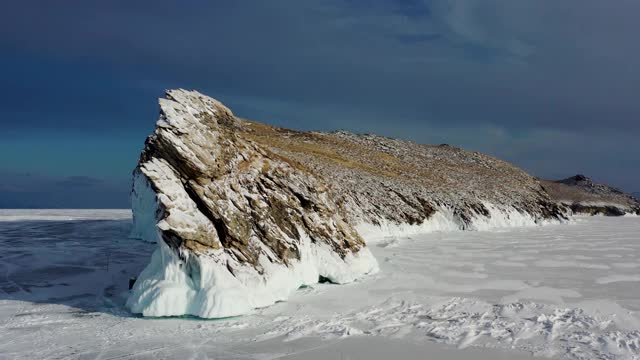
444 219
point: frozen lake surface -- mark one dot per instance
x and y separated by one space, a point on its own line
558 291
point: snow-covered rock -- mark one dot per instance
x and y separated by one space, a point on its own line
237 226
245 213
584 196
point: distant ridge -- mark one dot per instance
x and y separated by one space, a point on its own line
583 195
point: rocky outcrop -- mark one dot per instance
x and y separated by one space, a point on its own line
245 213
584 196
238 226
388 181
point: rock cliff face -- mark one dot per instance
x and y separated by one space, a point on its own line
584 196
245 213
238 226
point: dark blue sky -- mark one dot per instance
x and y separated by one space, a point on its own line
551 86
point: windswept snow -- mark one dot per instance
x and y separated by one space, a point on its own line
558 291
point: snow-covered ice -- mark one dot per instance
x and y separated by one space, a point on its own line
557 291
63 214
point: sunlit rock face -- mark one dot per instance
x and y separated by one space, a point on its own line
245 213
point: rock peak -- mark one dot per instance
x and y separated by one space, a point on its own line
576 179
583 195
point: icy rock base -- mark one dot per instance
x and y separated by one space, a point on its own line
203 287
144 207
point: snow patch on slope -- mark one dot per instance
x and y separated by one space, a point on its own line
444 219
441 220
504 218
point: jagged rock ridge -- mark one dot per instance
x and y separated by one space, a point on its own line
244 213
584 196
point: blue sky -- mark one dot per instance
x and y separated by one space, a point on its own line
550 86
